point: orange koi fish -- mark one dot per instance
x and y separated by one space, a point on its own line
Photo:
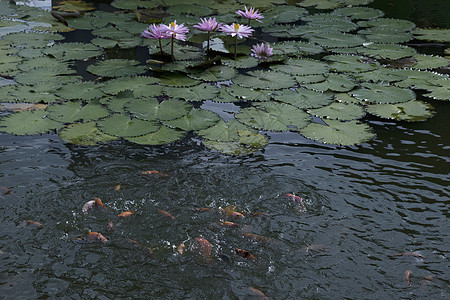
96 237
93 203
180 248
117 187
295 198
165 213
126 214
228 224
414 254
139 245
408 277
161 174
203 247
244 254
34 224
255 237
258 293
201 209
231 211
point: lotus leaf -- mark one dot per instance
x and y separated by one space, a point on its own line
72 111
199 92
225 97
191 9
279 30
196 119
339 111
296 48
69 51
249 142
418 79
103 19
74 5
81 22
330 22
346 98
32 39
310 79
30 52
387 51
338 132
333 82
359 13
392 24
85 134
104 43
241 62
284 14
303 98
135 4
21 93
380 75
411 111
40 62
383 94
321 4
164 135
249 93
351 63
215 73
224 131
36 75
112 33
122 126
440 90
265 80
28 123
425 62
439 35
116 68
178 79
337 40
140 85
302 67
151 109
385 36
86 90
117 102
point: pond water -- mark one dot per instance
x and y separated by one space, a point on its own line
371 213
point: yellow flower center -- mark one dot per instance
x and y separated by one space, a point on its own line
172 25
236 27
251 11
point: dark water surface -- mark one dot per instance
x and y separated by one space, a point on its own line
364 205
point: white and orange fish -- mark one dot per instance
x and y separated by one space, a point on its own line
203 247
166 214
126 214
93 204
96 237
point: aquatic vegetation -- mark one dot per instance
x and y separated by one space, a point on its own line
370 68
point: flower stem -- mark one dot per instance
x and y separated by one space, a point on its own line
160 46
235 47
207 48
171 50
249 22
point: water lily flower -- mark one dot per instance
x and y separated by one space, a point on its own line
208 25
176 32
262 51
156 32
237 31
250 14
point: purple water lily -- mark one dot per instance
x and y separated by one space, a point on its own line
176 32
156 32
208 25
250 14
262 51
237 31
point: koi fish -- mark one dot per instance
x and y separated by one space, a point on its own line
408 277
34 224
110 226
180 248
126 214
426 281
165 213
295 198
161 174
5 190
117 187
96 237
201 209
244 254
414 254
93 203
228 224
258 293
146 249
255 237
203 247
231 211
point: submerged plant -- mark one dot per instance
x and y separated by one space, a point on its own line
176 32
250 14
208 26
156 32
262 51
237 31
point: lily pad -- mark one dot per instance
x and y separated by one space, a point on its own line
152 110
303 98
391 51
85 134
36 75
196 119
249 94
28 123
333 82
302 67
116 68
439 35
339 111
416 79
117 102
249 142
337 40
385 36
178 80
214 74
85 90
199 92
265 80
224 131
72 51
411 111
440 90
359 13
350 63
164 135
72 111
385 23
426 62
338 132
141 86
75 5
135 4
384 94
296 48
241 62
122 126
32 39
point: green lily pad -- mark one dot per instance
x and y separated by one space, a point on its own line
72 51
135 4
199 92
112 33
196 119
327 23
298 66
122 126
385 23
32 39
385 36
141 86
338 132
41 62
337 40
411 111
225 97
36 75
303 98
391 51
381 75
359 13
152 110
178 80
331 4
22 93
350 63
117 102
224 131
116 68
85 90
333 82
383 94
440 90
439 35
72 111
74 5
164 135
190 9
85 134
339 111
265 80
284 14
216 73
296 48
249 142
241 62
416 79
426 62
28 123
249 94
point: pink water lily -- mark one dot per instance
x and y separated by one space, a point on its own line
176 32
156 32
250 14
208 25
238 31
262 51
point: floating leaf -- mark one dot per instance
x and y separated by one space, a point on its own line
85 90
440 90
71 51
135 4
74 5
28 123
411 111
249 94
384 94
178 79
32 39
21 93
41 62
191 9
439 35
86 134
380 75
385 23
296 48
338 133
350 63
164 135
337 40
40 74
224 131
265 80
225 97
249 142
123 126
116 68
216 73
359 13
328 23
196 119
339 111
117 102
141 86
241 62
112 33
418 79
72 111
152 110
385 36
199 92
387 51
302 67
303 98
425 62
333 82
284 14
